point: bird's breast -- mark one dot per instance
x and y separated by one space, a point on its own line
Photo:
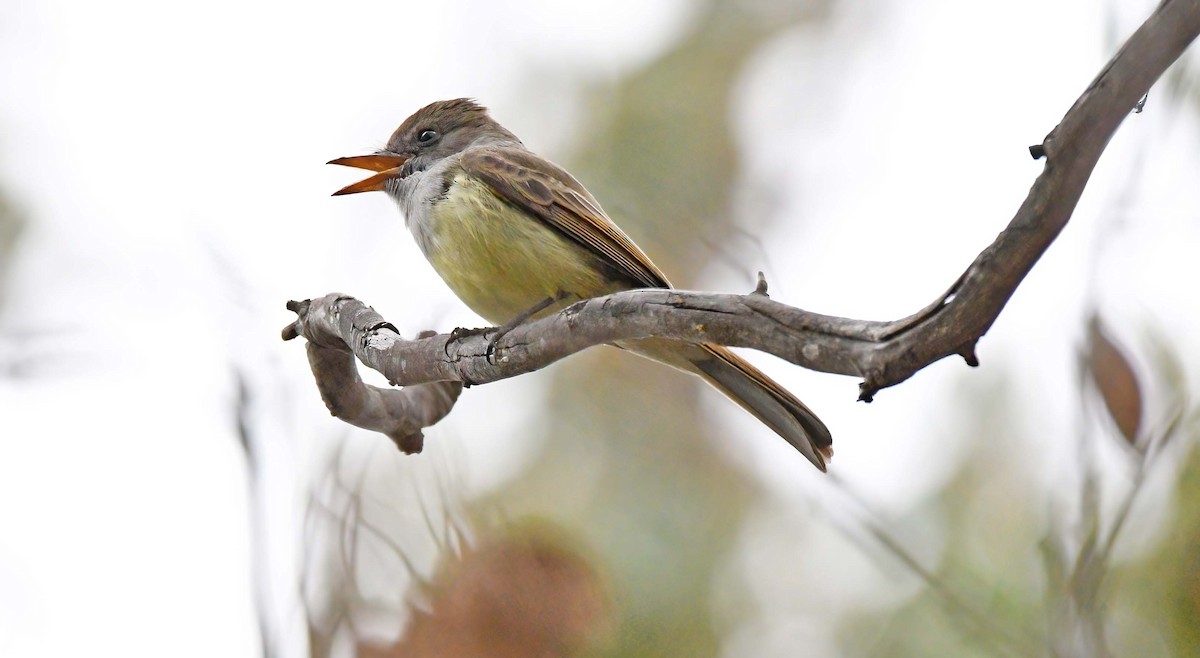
501 260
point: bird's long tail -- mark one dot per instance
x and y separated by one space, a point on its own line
750 388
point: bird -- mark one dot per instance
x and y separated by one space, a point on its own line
517 237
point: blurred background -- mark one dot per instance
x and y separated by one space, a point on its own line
170 481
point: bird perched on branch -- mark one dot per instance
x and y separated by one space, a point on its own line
517 237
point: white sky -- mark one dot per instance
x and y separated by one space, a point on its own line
171 160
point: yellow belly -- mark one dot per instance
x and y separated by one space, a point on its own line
501 261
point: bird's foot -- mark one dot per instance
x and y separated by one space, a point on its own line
460 333
499 332
518 321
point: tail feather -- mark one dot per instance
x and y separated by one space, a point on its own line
751 389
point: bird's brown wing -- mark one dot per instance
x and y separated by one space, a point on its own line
548 192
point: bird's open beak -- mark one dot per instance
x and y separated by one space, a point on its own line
386 164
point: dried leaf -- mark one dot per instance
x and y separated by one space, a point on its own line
1116 380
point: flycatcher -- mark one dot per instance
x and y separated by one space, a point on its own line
510 232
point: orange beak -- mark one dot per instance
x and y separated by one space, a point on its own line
386 164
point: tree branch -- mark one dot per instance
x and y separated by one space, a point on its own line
881 353
401 415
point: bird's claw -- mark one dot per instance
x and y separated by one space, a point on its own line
460 333
494 342
490 354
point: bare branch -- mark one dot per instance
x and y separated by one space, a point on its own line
881 353
401 415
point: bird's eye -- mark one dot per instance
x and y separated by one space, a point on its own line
427 136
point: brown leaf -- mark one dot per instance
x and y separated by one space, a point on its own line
1116 380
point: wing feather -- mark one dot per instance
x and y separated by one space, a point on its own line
545 190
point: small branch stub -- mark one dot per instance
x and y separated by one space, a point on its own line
761 288
968 354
